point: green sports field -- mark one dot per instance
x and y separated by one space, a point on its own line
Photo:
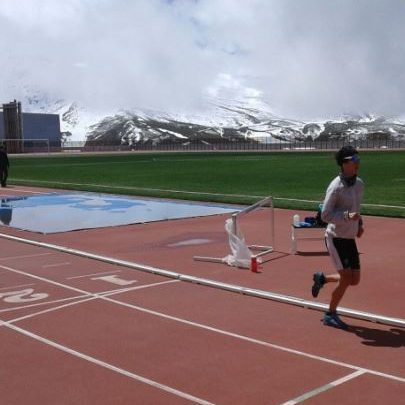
295 179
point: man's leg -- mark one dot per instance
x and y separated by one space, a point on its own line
347 277
5 175
344 280
320 279
2 181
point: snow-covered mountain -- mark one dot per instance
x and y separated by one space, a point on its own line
224 119
130 128
75 120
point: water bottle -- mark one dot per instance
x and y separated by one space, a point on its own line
296 220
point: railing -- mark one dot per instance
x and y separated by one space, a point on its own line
234 145
254 145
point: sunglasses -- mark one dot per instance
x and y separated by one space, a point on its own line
354 159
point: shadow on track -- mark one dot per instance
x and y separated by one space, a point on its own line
393 337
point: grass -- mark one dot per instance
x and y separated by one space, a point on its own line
290 177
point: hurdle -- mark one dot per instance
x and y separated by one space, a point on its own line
260 250
250 292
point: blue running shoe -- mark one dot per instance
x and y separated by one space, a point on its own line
332 319
319 281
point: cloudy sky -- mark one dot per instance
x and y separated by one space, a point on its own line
306 58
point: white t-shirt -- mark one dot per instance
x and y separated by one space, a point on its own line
339 200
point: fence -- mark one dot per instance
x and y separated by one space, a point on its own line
230 145
46 146
28 145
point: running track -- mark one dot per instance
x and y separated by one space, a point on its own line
75 330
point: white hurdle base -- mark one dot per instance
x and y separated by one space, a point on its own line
209 259
262 250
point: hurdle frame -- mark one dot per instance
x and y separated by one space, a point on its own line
262 249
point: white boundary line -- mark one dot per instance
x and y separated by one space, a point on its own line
190 192
94 274
81 299
323 388
84 295
25 256
43 303
386 320
202 326
17 286
60 264
106 365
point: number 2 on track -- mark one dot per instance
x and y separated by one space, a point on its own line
27 295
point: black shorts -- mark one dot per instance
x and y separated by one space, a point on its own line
344 253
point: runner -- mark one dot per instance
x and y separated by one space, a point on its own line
341 210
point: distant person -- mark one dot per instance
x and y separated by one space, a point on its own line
4 165
341 210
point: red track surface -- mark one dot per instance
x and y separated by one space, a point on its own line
70 334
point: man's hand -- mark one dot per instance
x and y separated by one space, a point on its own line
353 216
360 231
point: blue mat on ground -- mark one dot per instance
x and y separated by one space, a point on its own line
61 212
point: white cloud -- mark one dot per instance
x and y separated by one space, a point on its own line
307 59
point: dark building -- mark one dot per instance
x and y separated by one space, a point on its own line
33 126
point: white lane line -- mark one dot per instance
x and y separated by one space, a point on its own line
139 287
41 304
386 320
26 256
106 365
94 274
189 192
324 388
81 300
110 186
212 329
46 266
84 298
259 342
86 295
16 286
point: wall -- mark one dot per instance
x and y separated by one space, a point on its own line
37 126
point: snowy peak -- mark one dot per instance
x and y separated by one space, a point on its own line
248 119
129 129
